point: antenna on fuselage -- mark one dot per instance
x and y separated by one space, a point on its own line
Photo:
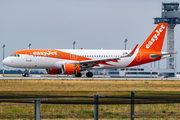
125 42
29 45
74 42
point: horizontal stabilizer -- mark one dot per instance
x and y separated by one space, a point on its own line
158 55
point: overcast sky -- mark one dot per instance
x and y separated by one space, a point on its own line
93 24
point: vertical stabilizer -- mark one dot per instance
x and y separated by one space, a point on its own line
156 39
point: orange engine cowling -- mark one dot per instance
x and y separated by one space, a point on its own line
70 68
54 71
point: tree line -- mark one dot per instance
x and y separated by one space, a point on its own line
19 72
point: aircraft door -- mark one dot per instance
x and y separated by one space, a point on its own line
28 56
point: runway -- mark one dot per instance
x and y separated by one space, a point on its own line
61 77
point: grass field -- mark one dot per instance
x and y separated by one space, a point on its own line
77 87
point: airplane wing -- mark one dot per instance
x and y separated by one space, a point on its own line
96 62
164 54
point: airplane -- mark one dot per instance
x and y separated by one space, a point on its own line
73 61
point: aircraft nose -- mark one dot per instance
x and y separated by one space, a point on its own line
5 61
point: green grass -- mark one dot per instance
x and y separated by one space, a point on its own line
88 88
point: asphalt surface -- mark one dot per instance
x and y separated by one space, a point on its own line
39 77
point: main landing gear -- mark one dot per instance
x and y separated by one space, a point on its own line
88 74
78 75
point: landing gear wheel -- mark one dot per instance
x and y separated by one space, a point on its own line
89 74
78 75
25 74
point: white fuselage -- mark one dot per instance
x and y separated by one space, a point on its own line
43 61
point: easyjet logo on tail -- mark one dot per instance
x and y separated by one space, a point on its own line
155 36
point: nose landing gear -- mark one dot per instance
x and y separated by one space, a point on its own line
26 73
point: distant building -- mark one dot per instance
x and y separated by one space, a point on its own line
140 72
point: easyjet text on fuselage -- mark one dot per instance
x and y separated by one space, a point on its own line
45 53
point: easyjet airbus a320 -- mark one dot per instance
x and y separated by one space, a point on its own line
73 61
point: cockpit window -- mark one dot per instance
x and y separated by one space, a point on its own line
15 55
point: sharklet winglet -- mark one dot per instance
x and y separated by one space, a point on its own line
132 52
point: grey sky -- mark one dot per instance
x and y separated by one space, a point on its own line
93 24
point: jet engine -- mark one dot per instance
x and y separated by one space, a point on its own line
70 68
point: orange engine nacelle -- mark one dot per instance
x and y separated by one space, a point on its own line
54 71
70 68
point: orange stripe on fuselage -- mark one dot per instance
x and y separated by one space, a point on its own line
104 63
52 53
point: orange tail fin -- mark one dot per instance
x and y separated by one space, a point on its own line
156 39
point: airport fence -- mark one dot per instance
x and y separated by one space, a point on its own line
138 105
